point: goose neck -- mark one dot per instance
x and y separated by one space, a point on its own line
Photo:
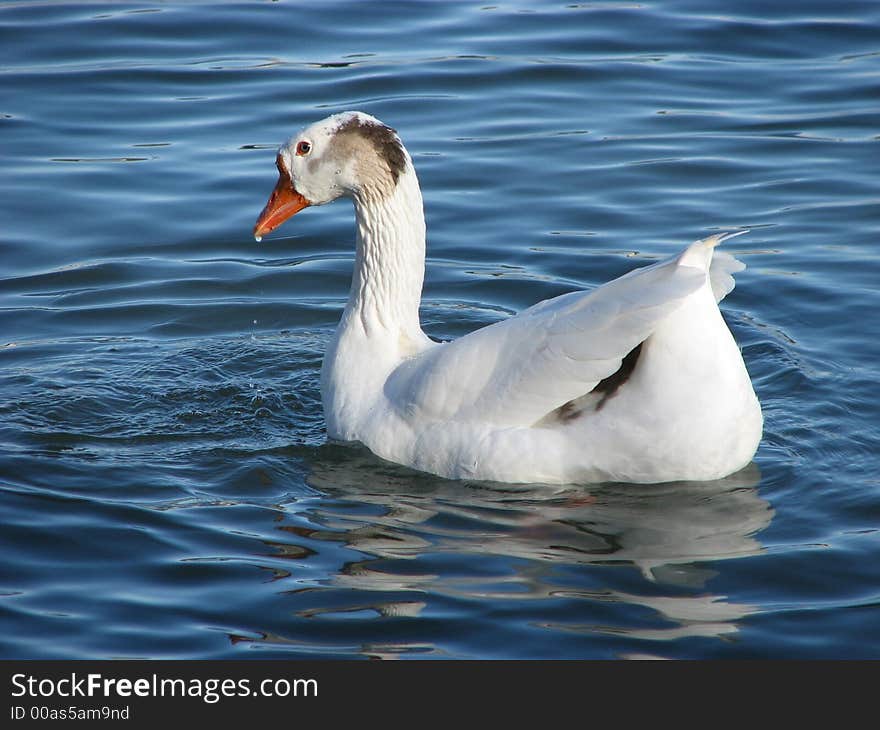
389 267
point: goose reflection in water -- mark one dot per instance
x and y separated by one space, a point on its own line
531 543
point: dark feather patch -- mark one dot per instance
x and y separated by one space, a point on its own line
599 395
609 385
384 141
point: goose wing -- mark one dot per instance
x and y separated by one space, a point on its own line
515 372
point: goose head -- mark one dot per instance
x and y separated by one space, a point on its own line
351 154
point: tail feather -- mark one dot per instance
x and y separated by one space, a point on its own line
720 265
724 266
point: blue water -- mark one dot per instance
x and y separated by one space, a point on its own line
165 485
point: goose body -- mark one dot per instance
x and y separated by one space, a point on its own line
639 380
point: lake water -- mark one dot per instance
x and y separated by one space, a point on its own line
166 489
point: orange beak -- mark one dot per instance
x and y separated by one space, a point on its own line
283 203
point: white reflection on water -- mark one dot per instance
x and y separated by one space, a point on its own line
521 536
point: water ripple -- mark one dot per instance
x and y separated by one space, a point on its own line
166 488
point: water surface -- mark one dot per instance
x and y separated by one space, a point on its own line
166 489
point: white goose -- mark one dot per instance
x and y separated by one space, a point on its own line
639 380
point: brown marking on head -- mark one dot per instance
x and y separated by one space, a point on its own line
383 140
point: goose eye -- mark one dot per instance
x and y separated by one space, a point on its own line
303 148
